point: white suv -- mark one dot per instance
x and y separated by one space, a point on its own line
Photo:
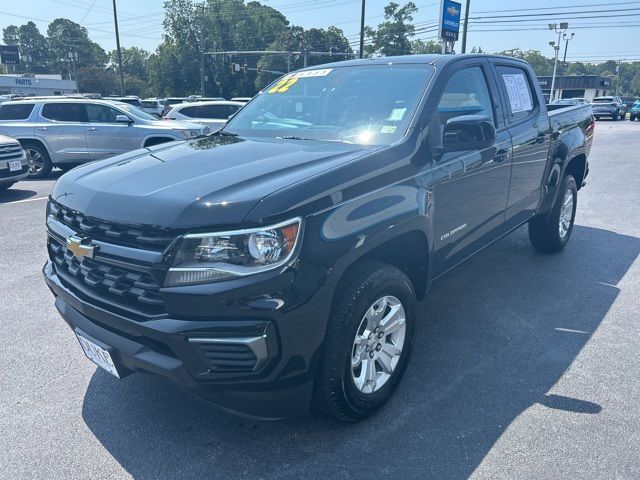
212 114
66 132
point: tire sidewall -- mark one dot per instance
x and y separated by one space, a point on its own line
568 183
357 401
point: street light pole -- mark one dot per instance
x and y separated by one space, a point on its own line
362 30
566 46
115 22
464 27
556 47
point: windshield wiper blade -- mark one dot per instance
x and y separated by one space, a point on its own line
293 137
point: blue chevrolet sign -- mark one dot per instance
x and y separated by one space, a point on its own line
450 20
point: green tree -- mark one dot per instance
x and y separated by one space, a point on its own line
66 37
428 46
134 61
392 36
31 44
96 80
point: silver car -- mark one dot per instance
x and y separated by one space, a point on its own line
13 162
65 132
212 114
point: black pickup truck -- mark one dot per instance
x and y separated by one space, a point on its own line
277 264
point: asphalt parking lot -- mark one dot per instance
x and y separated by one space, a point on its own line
526 366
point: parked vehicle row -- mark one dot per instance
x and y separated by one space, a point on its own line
66 132
213 114
278 262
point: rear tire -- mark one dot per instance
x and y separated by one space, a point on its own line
551 233
6 186
368 341
40 165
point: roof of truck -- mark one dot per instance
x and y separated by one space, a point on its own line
437 60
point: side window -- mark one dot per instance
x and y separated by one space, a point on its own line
64 112
466 93
101 113
16 111
190 112
520 98
215 111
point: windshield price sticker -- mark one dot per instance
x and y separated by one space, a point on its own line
283 85
311 73
518 92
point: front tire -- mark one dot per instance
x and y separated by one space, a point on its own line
40 165
551 233
368 342
6 186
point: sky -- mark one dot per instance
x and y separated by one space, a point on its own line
602 30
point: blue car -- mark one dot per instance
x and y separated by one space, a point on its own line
634 111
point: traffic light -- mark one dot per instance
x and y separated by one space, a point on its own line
258 68
233 68
244 68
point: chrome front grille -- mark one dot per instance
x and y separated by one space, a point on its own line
10 152
128 235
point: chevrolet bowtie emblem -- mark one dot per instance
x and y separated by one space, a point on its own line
453 11
79 249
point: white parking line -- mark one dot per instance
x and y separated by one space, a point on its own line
25 200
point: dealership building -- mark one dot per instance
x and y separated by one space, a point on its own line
36 85
577 86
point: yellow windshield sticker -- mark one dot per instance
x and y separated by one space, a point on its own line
397 114
388 129
283 85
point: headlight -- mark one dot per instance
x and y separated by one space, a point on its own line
188 133
212 257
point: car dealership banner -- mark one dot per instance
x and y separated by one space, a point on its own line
450 20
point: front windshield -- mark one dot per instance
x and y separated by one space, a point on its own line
136 112
370 104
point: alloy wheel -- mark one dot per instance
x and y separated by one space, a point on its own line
378 344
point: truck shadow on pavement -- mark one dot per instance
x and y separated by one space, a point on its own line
494 338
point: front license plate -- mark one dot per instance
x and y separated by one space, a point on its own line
98 355
15 165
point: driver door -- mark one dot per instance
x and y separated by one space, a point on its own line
105 136
471 187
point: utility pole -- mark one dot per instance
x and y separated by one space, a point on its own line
464 27
618 78
362 30
566 39
556 46
115 22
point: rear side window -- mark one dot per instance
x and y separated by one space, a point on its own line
19 111
64 112
517 85
189 111
217 111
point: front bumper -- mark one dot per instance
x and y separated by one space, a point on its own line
285 346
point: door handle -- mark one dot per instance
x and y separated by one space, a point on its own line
541 137
501 156
43 129
92 129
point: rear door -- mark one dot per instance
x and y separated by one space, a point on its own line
62 128
530 129
471 193
105 136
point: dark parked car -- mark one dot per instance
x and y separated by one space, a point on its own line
612 107
279 261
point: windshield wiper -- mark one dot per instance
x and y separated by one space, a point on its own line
292 137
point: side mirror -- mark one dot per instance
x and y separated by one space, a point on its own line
123 119
468 132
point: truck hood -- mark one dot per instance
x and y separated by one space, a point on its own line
212 181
